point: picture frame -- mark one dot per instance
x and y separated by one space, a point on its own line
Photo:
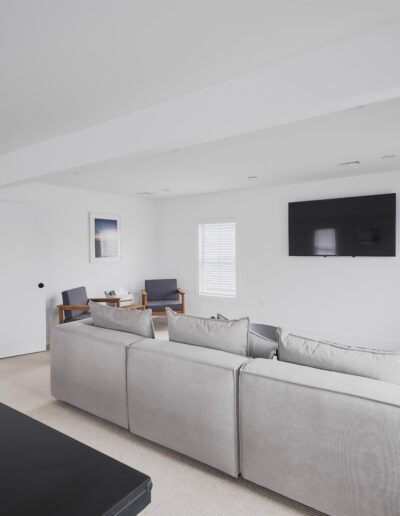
105 237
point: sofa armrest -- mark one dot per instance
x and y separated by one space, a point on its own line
63 308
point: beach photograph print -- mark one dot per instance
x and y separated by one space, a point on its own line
104 237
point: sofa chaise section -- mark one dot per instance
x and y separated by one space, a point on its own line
329 440
185 398
88 368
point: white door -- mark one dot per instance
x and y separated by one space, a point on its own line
22 302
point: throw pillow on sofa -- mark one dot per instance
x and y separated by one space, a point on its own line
259 347
228 336
130 321
375 364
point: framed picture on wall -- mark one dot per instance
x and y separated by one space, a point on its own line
105 237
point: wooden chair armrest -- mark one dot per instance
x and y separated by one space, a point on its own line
62 308
180 291
144 297
82 308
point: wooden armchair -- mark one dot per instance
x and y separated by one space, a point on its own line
163 293
76 304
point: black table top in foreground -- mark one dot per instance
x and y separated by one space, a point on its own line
44 472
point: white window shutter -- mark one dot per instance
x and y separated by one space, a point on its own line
217 259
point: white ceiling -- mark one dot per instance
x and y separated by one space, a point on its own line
70 64
303 151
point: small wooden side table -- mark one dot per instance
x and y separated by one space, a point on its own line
132 307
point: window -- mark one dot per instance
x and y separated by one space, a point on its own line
217 259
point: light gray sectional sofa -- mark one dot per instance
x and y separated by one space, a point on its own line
181 396
329 440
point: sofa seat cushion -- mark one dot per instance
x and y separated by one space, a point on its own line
88 368
229 336
159 306
375 364
138 322
185 398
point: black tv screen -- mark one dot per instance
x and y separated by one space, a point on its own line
352 226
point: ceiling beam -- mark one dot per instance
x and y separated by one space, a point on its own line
356 71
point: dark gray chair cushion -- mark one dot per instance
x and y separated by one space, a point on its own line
75 296
159 306
161 289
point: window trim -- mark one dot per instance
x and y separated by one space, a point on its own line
213 297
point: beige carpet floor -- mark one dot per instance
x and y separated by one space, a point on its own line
181 486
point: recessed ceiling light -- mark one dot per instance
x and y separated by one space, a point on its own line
166 189
346 163
388 156
144 193
176 150
252 177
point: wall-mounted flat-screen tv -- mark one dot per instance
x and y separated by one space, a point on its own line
351 226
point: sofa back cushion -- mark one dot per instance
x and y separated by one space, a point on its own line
345 339
138 322
376 364
259 346
160 289
230 336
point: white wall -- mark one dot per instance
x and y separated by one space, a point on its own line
65 241
350 296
